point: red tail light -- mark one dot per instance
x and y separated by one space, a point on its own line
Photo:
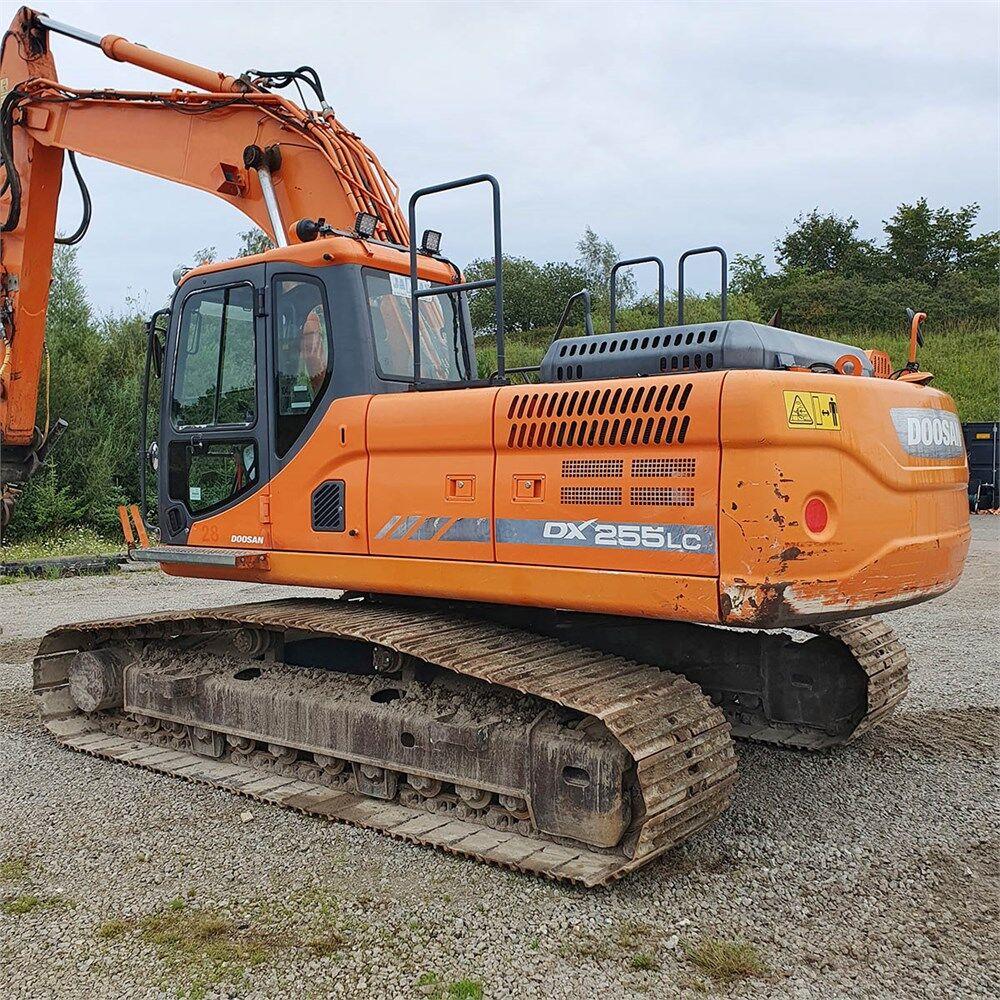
817 515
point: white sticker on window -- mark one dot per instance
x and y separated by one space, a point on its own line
194 493
400 284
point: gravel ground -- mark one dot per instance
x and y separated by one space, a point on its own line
868 872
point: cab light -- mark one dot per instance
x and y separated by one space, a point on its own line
817 516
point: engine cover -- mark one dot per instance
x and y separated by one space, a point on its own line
702 346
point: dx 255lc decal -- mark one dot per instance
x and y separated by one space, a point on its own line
594 533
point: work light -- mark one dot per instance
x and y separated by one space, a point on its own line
430 242
364 225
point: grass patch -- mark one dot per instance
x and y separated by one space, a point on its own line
430 984
726 961
14 869
79 541
328 942
18 906
644 962
586 945
465 989
631 932
113 929
204 947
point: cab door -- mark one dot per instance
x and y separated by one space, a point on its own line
215 449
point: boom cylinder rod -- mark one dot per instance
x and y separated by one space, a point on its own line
122 50
50 24
271 203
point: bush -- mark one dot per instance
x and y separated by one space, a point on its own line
95 370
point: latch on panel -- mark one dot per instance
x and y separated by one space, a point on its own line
460 487
528 488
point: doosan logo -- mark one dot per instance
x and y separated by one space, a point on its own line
931 430
247 539
928 433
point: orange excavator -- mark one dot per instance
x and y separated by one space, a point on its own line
565 589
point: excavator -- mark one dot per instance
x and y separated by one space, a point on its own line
564 592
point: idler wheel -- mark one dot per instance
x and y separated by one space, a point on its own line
95 679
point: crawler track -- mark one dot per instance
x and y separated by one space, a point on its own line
810 692
878 652
680 745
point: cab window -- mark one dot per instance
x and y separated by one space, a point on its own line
303 355
443 351
207 475
215 381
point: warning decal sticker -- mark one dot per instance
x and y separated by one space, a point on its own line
812 410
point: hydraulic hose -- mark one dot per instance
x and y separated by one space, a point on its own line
81 231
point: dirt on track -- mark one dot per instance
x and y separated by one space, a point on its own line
869 871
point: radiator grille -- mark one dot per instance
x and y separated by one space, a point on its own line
636 415
608 496
600 468
328 506
657 468
662 496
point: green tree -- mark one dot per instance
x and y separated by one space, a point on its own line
206 255
533 294
253 241
596 259
819 242
95 369
747 274
926 244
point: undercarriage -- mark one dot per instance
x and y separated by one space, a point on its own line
478 730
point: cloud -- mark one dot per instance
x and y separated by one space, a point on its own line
660 125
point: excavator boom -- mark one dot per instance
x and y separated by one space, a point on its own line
231 137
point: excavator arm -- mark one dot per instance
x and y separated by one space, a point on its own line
230 136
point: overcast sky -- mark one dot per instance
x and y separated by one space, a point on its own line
662 126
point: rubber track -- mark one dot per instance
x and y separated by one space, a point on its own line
684 758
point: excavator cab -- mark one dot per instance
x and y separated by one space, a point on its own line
256 350
255 353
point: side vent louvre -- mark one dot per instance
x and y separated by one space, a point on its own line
601 468
662 496
606 496
633 416
663 468
328 506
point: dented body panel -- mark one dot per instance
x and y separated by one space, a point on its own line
897 518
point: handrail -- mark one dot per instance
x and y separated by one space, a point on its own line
680 278
588 322
151 336
614 289
496 282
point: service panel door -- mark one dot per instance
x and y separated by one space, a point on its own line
610 475
430 475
